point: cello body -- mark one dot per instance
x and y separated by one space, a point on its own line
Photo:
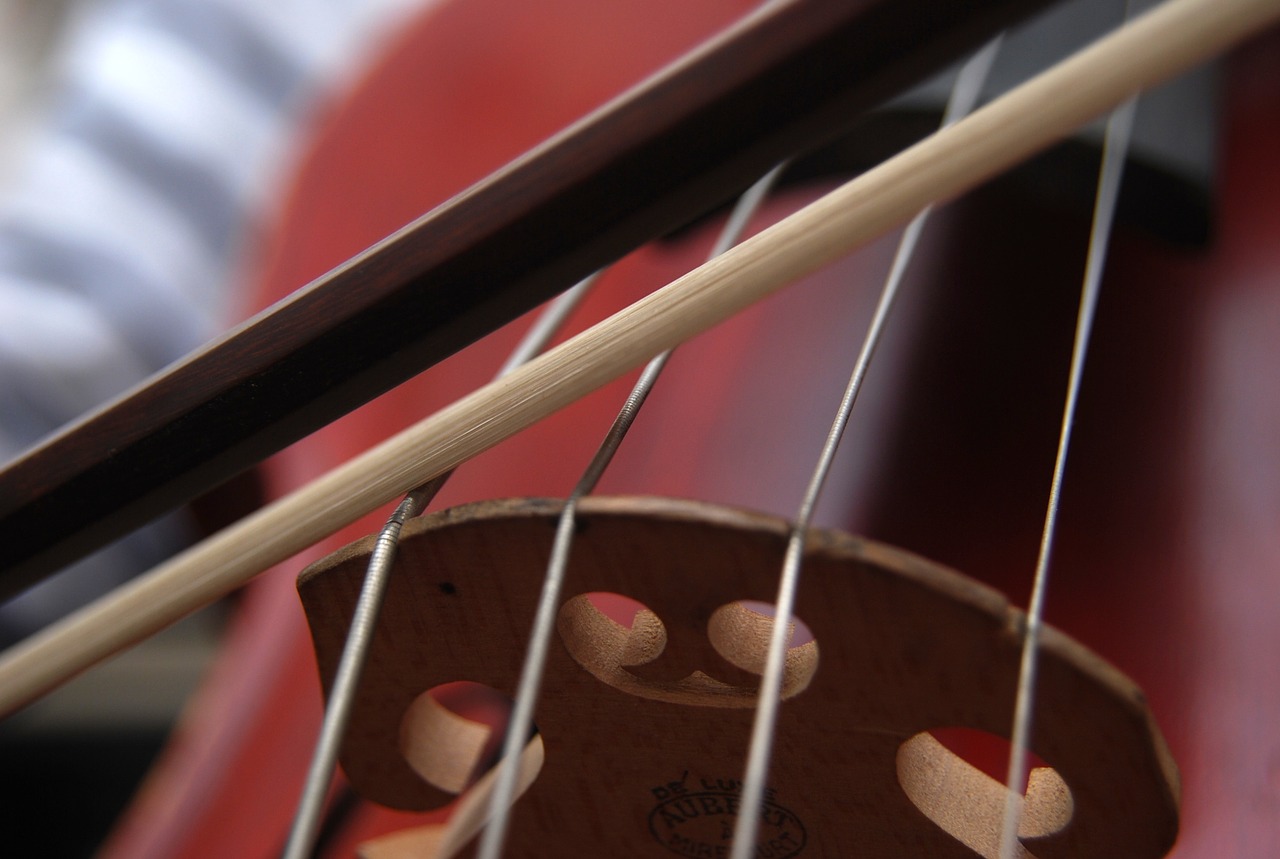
1166 562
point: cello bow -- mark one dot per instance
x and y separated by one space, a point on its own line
709 124
1144 53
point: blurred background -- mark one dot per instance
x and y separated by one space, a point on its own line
74 760
202 158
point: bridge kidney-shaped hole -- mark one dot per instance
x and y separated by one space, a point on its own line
740 632
452 734
967 803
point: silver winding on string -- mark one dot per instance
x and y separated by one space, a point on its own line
306 822
964 96
521 724
1114 148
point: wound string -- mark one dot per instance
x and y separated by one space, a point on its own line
355 649
964 96
521 725
1115 146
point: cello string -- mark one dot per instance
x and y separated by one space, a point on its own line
964 97
364 621
1115 145
1152 48
520 726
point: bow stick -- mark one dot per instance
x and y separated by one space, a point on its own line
1147 51
783 80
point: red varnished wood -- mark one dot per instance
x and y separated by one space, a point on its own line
1167 560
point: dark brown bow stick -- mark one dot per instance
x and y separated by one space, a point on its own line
784 80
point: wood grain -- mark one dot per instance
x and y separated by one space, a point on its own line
902 646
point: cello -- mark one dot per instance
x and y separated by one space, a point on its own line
955 557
